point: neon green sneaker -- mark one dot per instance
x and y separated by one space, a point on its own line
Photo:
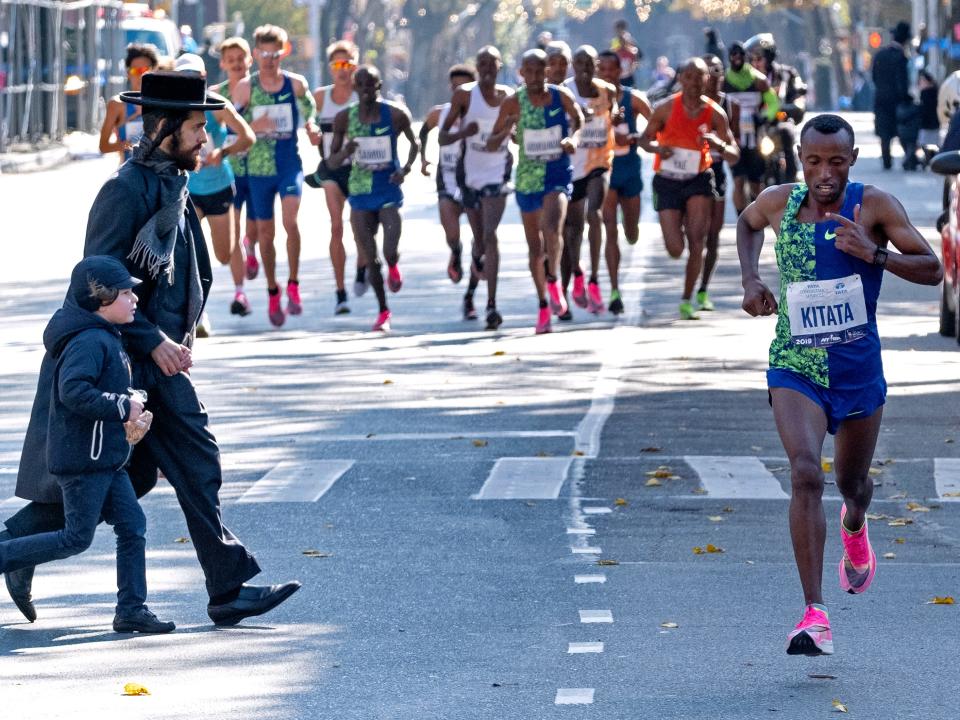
687 312
703 301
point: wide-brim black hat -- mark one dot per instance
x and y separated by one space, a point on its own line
902 32
174 91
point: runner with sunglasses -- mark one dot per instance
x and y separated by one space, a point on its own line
122 126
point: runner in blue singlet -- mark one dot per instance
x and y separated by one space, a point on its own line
122 126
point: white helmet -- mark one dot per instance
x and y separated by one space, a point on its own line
948 99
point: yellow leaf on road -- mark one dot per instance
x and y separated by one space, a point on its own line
951 494
709 549
917 507
877 516
498 353
714 549
945 600
479 443
662 472
899 541
135 689
898 496
669 625
900 522
826 464
606 562
699 491
578 453
388 382
182 540
620 502
839 706
653 482
873 472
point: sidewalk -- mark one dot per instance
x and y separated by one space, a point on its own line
75 146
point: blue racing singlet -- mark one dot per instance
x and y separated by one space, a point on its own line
214 178
131 130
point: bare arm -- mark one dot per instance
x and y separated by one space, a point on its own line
111 122
402 124
506 119
340 151
458 108
575 114
722 139
238 126
757 297
429 123
658 120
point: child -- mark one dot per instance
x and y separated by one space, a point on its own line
92 410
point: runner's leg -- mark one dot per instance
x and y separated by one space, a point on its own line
392 225
535 251
713 243
596 193
491 209
364 224
696 221
612 250
338 253
853 453
554 211
290 207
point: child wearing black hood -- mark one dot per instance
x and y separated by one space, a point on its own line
92 413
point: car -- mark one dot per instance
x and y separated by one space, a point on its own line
948 165
146 28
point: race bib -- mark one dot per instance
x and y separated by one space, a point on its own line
749 103
449 155
593 134
623 130
134 131
542 144
281 114
327 140
478 142
373 152
827 312
683 164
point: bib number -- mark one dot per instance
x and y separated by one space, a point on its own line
542 144
281 115
373 152
449 156
478 142
683 164
827 312
593 134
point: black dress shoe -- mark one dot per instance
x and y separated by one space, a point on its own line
19 584
252 600
141 621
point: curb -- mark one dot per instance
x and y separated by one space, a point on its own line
12 163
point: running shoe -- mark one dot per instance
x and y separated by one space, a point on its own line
579 291
616 303
557 302
469 311
812 635
859 563
294 306
455 268
494 319
394 278
687 312
703 301
250 251
543 320
274 311
595 298
361 284
204 329
383 321
341 308
567 316
240 305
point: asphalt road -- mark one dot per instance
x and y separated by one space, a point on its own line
486 541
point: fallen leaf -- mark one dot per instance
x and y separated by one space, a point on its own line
715 518
709 549
135 689
728 509
699 491
388 382
653 482
900 522
317 554
917 507
651 449
873 472
839 706
888 461
182 540
698 550
826 463
479 443
821 676
899 541
945 600
951 494
750 562
498 353
669 625
877 516
620 502
606 562
714 549
662 472
578 453
949 441
889 556
898 496
756 448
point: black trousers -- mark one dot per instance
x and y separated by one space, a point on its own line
182 446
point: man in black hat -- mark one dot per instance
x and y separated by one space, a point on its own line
891 87
143 217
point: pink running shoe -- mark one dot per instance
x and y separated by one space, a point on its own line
274 311
240 305
294 306
596 299
394 278
557 302
543 321
250 251
859 563
383 321
579 291
812 635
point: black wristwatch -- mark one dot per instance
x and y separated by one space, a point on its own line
880 257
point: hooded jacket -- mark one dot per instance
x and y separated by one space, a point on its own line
89 399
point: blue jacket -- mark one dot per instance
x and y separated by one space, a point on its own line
89 400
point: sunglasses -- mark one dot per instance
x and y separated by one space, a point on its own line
342 65
269 54
138 71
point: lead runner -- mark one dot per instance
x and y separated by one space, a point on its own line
825 370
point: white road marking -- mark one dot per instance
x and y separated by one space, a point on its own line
596 616
528 478
736 477
390 437
588 550
574 696
581 531
946 475
11 505
583 579
296 481
576 648
597 510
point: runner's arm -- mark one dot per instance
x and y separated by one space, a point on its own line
429 123
506 118
111 122
458 108
575 114
757 298
648 141
245 137
340 151
402 124
728 146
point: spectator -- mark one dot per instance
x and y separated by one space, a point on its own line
929 121
890 84
627 50
713 44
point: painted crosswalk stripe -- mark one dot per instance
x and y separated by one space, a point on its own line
525 478
587 550
596 616
576 648
733 477
581 531
296 481
574 696
946 475
585 579
596 510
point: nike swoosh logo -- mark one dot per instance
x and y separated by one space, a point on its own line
554 111
380 130
283 98
829 235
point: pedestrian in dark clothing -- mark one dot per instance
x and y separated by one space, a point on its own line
929 119
143 216
908 130
890 83
90 402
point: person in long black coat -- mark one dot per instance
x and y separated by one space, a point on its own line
891 88
143 217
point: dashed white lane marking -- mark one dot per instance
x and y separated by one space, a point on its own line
597 510
596 616
588 550
576 648
574 696
946 475
736 477
581 531
584 579
525 478
296 481
496 434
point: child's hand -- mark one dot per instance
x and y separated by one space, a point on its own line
136 410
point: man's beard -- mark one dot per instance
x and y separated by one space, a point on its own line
184 159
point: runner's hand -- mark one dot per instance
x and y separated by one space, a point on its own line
664 152
425 168
350 147
263 125
397 178
169 357
215 158
758 300
852 236
313 133
568 145
713 140
470 130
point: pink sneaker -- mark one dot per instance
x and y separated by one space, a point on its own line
240 305
596 299
543 321
274 311
394 278
859 563
812 635
294 306
250 251
383 321
579 291
557 303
